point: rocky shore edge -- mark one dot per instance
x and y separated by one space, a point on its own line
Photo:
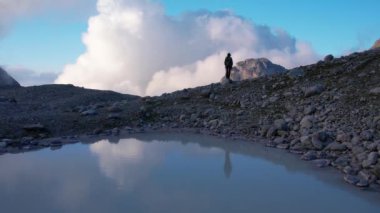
328 113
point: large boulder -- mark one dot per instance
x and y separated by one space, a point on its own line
6 80
376 45
254 68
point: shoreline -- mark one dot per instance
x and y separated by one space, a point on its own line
329 114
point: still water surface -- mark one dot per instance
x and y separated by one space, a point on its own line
173 173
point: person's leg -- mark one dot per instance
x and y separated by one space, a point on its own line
228 72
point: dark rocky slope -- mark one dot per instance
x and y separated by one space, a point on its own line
327 112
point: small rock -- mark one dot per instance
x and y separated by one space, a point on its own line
280 124
310 110
296 73
341 161
307 122
314 90
55 143
367 135
282 146
321 163
310 155
375 91
114 116
362 183
351 179
316 142
89 112
34 127
349 170
3 144
336 147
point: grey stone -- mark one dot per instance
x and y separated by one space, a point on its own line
3 144
310 155
351 179
336 147
341 161
34 127
307 122
375 91
316 142
296 73
281 124
321 163
367 135
367 175
362 183
310 110
90 112
314 90
282 146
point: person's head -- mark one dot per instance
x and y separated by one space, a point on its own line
229 54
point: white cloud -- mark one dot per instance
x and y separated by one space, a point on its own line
134 47
11 10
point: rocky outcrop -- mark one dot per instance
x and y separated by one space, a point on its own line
376 45
254 68
6 80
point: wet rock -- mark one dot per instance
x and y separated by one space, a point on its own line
351 179
314 90
341 161
310 155
282 146
367 175
321 163
362 183
349 170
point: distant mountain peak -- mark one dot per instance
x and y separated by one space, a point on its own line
6 80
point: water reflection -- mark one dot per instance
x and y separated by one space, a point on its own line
172 173
227 164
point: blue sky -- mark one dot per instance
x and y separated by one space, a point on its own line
46 41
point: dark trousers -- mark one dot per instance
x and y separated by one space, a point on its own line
228 72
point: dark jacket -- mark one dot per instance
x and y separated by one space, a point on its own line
228 62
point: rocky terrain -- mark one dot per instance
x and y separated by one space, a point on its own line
328 113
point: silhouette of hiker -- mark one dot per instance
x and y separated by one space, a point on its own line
228 62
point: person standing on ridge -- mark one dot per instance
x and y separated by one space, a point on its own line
228 63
